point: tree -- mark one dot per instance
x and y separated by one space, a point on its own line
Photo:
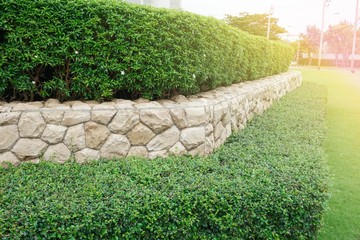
339 39
310 41
256 24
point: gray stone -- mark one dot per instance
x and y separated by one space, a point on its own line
24 107
9 135
123 121
53 133
77 105
95 135
192 137
27 149
75 138
140 135
31 125
157 120
57 153
8 158
105 106
178 149
53 116
179 117
87 155
9 118
72 118
138 151
195 116
198 151
116 146
102 116
165 140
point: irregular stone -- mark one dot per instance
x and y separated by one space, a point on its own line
178 117
23 107
209 130
72 118
157 120
95 135
58 153
123 104
219 130
219 112
165 140
116 146
37 104
209 144
31 124
195 116
8 158
138 151
179 99
177 149
75 138
192 137
53 133
87 155
123 121
50 102
27 148
140 135
198 151
9 118
103 116
53 116
158 154
78 105
4 109
105 106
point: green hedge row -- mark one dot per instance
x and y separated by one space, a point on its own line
267 182
100 49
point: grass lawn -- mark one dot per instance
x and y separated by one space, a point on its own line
342 146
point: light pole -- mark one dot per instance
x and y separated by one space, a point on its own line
325 5
354 37
271 11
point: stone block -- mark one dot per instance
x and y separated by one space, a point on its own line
95 135
57 153
9 118
116 146
192 137
31 125
27 148
164 140
9 136
140 135
75 138
53 134
124 121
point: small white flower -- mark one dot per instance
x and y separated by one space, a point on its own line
76 52
204 55
36 56
33 82
194 76
122 72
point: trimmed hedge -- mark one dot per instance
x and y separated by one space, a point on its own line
100 49
267 182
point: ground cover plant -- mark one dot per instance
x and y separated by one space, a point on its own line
267 182
101 49
342 145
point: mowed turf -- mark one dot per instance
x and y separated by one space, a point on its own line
342 146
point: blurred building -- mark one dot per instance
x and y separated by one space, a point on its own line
175 4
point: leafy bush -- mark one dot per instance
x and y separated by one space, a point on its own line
267 182
100 49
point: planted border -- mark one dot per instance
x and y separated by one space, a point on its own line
267 182
103 49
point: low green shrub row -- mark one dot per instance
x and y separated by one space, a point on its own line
267 182
100 49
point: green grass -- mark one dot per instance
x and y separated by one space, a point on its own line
342 146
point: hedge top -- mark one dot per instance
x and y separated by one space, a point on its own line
87 49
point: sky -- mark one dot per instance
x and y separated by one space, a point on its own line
293 15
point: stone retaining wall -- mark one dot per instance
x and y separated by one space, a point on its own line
83 131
